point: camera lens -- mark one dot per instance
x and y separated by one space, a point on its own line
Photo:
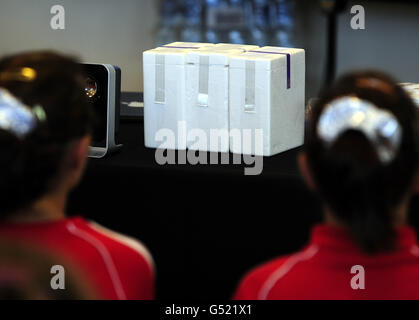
91 87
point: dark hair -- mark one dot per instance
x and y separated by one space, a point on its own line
361 191
29 166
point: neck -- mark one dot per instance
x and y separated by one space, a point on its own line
50 207
330 217
400 215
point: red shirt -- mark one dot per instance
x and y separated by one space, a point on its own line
117 267
322 270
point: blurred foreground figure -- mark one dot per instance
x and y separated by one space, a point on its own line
27 273
361 157
45 132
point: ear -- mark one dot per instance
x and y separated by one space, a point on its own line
415 185
77 153
305 171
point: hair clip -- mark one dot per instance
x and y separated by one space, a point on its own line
351 113
413 91
17 118
21 74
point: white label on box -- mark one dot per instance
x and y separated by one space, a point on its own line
160 79
249 104
203 81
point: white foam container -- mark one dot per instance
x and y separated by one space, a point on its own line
267 89
187 45
230 46
165 96
207 98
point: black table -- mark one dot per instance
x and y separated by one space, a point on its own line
206 224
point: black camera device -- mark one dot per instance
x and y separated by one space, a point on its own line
103 89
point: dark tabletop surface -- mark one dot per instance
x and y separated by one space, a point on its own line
136 156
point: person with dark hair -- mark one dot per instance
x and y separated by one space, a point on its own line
361 157
45 132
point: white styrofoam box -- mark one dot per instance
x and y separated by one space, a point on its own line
164 96
228 46
164 93
207 98
267 88
187 45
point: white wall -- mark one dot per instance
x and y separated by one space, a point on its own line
102 31
112 31
390 41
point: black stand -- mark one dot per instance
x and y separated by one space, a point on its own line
332 8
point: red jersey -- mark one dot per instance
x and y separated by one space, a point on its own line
116 267
329 267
